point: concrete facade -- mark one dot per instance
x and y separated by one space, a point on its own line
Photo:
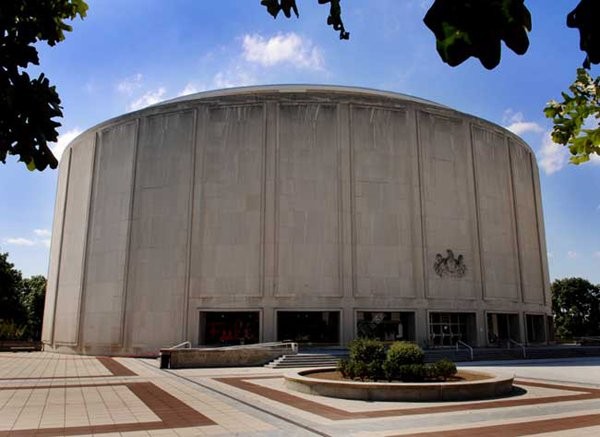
293 198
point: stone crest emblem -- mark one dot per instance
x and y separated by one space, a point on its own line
449 265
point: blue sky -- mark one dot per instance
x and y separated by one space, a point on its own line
131 53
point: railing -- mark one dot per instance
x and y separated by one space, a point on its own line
588 340
462 343
184 345
521 345
293 347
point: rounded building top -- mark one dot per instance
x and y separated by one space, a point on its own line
301 93
299 88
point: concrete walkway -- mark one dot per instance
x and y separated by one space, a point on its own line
52 395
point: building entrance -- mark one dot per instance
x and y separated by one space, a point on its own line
386 325
536 332
309 327
446 329
229 328
502 328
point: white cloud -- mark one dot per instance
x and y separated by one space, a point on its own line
42 232
515 122
552 157
596 254
191 88
571 254
63 141
521 127
233 78
20 241
149 98
130 84
44 239
550 254
282 48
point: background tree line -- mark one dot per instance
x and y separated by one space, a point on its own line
576 308
21 303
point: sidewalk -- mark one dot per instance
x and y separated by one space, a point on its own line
51 395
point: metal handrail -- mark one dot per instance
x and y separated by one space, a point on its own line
292 346
184 345
589 337
462 343
521 345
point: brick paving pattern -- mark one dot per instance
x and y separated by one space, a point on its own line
43 394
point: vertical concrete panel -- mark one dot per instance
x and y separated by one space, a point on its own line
448 205
383 153
496 215
307 202
108 236
55 247
227 238
527 225
541 232
159 230
73 241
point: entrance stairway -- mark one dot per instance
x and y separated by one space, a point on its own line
305 360
330 358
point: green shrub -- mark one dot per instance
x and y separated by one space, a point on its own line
443 369
9 330
366 359
403 361
400 356
344 367
404 352
412 372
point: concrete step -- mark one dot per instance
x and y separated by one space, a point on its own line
304 360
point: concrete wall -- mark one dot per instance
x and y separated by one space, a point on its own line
281 199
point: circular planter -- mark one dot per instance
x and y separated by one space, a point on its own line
494 386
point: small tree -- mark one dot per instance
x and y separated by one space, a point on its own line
33 293
10 286
576 307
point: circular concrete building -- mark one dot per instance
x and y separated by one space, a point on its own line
307 213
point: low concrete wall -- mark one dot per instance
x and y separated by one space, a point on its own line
494 386
220 357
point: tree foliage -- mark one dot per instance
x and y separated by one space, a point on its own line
32 297
21 302
477 28
10 284
576 307
28 105
570 116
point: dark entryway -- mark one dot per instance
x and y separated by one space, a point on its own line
386 325
501 328
536 332
309 327
446 329
228 328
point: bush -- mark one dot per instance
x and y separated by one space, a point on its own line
404 352
399 356
443 369
403 361
366 359
412 372
9 330
343 366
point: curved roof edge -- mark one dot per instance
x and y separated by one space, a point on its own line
297 88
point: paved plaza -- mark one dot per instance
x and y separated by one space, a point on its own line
44 394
